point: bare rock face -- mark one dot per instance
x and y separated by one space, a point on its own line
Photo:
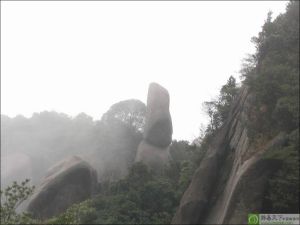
70 181
154 149
231 178
151 155
158 128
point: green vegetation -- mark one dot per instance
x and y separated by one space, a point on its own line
11 198
142 196
272 74
218 110
81 213
283 193
130 112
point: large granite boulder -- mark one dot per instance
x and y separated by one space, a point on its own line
69 181
154 149
153 156
158 128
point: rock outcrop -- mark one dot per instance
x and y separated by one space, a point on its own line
70 181
231 178
154 148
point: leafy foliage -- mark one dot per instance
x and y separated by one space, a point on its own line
185 158
11 198
81 213
131 112
272 74
142 197
283 193
218 110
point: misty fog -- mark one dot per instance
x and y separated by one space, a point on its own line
189 112
30 146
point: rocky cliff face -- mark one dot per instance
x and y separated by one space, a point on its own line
231 179
154 148
70 181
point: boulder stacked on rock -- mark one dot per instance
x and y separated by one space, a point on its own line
70 181
154 149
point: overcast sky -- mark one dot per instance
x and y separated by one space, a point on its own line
75 57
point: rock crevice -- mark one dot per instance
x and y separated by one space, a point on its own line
212 196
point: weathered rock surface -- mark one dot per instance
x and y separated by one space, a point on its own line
231 178
154 149
70 181
158 128
151 155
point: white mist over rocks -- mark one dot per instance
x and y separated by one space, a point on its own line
91 55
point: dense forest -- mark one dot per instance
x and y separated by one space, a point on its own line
131 193
273 75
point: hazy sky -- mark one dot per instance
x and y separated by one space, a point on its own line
75 57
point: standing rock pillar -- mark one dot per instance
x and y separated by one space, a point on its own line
154 148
